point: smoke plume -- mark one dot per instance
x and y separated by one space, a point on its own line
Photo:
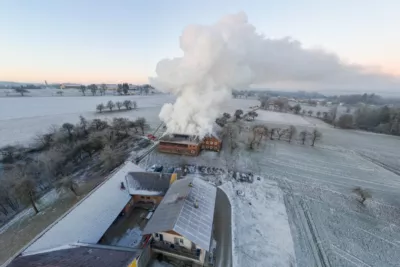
232 55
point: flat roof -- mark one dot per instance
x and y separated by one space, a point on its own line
91 217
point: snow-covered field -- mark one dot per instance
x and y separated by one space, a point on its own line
281 118
21 118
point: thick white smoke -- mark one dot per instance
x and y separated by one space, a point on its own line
230 54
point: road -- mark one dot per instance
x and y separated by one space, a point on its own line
223 230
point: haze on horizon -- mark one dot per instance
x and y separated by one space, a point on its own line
101 41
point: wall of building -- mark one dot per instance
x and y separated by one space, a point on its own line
170 238
211 143
179 148
147 199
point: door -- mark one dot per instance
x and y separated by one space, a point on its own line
161 237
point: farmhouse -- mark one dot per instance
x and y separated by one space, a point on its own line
182 225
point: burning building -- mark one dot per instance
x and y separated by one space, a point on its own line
190 145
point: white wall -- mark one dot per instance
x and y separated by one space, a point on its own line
167 237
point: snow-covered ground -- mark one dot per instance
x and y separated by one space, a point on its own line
261 232
281 118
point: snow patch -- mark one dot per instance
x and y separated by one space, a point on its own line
260 227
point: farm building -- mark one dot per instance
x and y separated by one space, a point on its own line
145 187
189 145
180 144
182 225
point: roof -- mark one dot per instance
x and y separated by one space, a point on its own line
91 217
77 256
148 183
177 211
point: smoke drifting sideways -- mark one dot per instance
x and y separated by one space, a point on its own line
232 55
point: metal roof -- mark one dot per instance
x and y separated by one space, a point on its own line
91 217
154 183
177 211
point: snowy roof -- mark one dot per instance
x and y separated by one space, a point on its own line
148 183
177 211
91 217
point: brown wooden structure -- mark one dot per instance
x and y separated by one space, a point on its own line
189 145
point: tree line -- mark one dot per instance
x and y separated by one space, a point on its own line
110 105
56 156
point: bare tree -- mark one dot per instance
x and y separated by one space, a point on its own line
238 114
100 107
230 132
303 112
271 134
280 132
26 191
128 104
364 194
291 132
21 91
134 104
93 88
310 112
142 124
111 159
67 183
303 136
259 132
315 135
119 89
318 114
119 104
68 127
83 88
226 115
297 109
110 105
103 89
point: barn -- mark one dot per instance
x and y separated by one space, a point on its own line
180 144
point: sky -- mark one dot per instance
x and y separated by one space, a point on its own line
86 41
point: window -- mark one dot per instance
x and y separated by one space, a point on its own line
142 197
178 241
156 235
147 197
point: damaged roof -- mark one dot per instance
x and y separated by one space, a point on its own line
177 211
148 183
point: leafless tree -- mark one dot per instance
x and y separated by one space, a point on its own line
103 89
110 105
291 132
68 127
67 183
83 88
271 134
110 158
364 194
280 132
315 135
25 189
119 104
127 104
259 132
142 124
303 136
310 112
100 107
238 114
230 132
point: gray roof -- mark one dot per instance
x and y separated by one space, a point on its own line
148 183
177 211
91 217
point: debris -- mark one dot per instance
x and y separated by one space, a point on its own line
240 193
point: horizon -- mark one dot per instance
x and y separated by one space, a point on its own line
124 43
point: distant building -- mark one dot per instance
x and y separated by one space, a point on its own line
182 225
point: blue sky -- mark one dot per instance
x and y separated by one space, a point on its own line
114 41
